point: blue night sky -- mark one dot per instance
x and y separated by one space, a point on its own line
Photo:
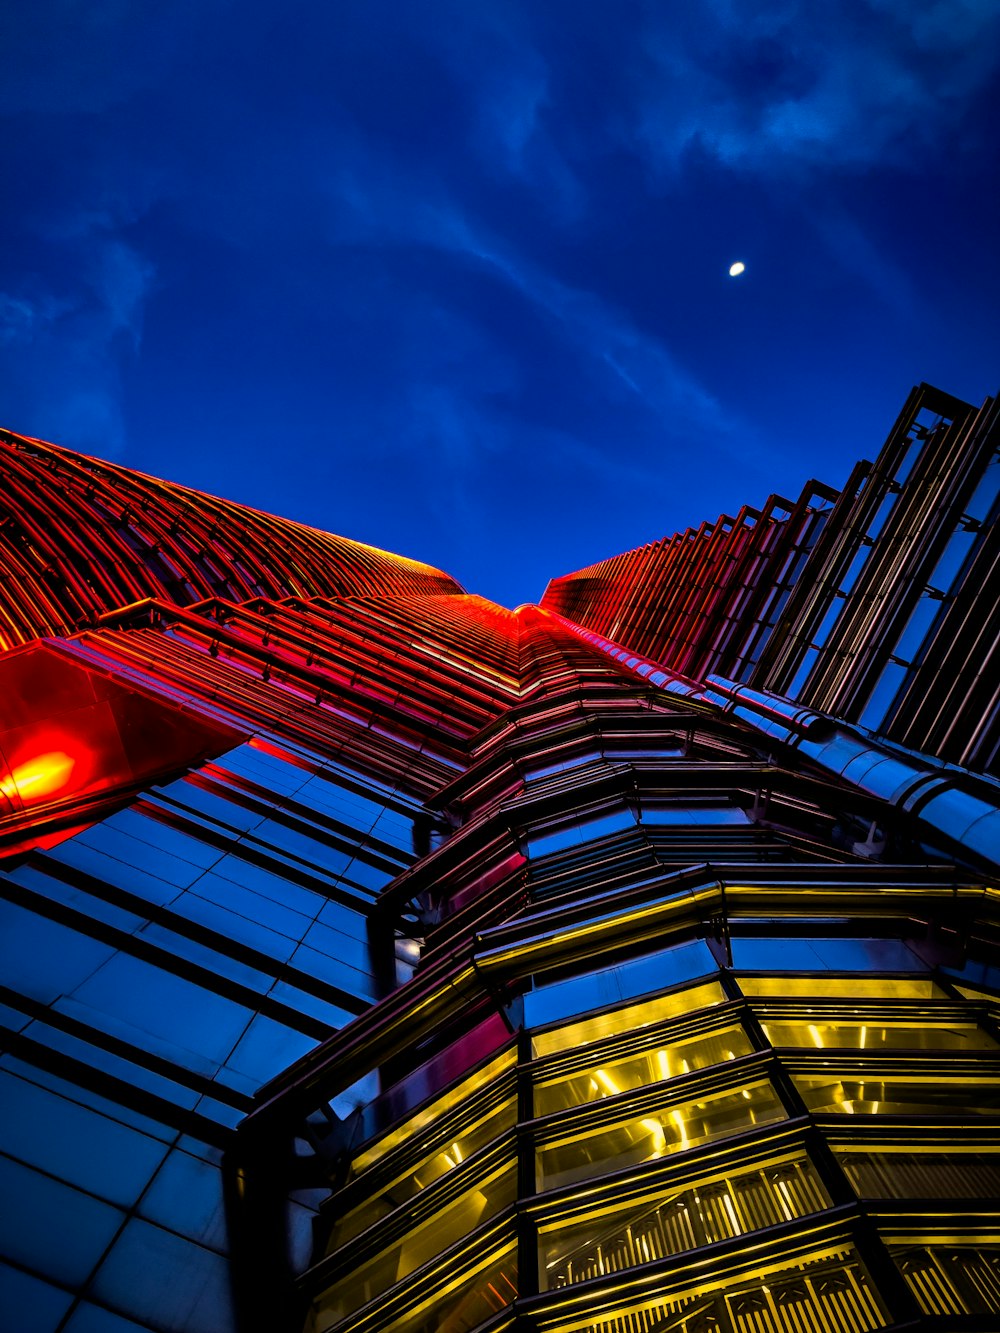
450 276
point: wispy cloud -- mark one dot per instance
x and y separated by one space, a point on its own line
383 208
790 85
64 349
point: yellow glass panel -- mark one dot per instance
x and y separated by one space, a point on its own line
820 1034
907 1174
898 1096
973 993
435 1234
952 1280
636 1071
629 1018
645 1138
440 1106
669 1223
828 1292
852 988
412 1181
467 1301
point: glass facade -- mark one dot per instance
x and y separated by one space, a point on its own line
377 960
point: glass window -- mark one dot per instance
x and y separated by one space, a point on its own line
266 1048
324 967
586 828
465 1302
231 926
433 1111
955 1174
263 912
923 1036
32 1306
899 1096
161 1012
667 1059
48 1131
671 1222
424 1242
952 1280
818 955
51 1228
647 1137
267 884
611 985
89 1318
827 1290
854 988
694 814
186 1196
43 959
161 1279
446 1157
143 882
625 1019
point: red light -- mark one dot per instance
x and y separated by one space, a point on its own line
39 777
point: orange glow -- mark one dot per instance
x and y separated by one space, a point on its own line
39 777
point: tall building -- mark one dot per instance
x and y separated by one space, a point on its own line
377 959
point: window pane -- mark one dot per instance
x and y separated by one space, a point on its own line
439 1163
819 955
629 1018
644 1138
713 1210
948 1280
437 1233
611 985
855 988
467 1302
829 1290
898 1096
668 1059
922 1175
436 1110
878 1036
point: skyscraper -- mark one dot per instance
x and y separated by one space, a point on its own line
376 958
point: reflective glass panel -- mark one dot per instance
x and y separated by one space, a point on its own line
436 1233
878 1036
952 1280
608 986
627 1019
829 1292
664 1061
713 1210
898 1096
922 1175
794 954
644 1138
855 988
440 1106
444 1159
466 1302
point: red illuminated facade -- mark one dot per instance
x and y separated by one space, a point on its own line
377 959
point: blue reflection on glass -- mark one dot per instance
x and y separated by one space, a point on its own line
172 1283
582 831
834 955
28 1305
50 1227
186 1197
612 985
91 1319
77 1144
